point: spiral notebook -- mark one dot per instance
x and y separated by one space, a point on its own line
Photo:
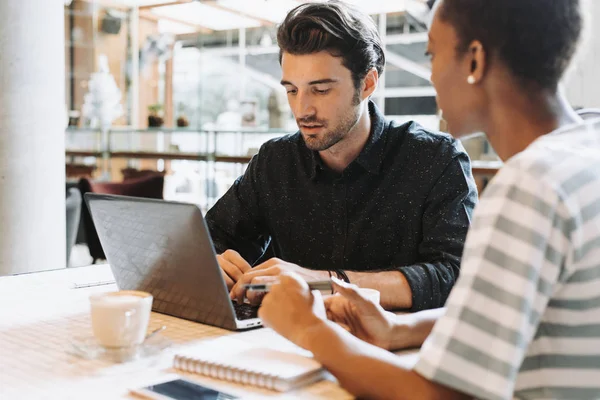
248 363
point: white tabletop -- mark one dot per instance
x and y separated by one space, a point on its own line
41 313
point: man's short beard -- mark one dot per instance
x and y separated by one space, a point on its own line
333 137
356 98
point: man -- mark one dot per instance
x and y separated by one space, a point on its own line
523 320
351 194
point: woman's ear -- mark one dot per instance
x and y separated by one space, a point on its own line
476 62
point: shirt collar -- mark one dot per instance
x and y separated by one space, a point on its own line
371 156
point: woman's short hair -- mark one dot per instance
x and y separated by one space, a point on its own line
535 39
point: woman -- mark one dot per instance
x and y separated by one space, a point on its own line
523 320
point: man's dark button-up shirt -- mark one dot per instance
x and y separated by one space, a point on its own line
403 204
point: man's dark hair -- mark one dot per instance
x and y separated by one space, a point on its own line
536 39
337 28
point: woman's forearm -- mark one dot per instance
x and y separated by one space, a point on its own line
365 370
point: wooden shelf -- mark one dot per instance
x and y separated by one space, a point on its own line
233 159
76 171
82 153
154 155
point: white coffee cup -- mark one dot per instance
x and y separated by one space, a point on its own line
372 294
120 319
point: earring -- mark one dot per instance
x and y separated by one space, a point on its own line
471 80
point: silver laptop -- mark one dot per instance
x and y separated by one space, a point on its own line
164 248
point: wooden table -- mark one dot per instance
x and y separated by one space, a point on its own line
42 312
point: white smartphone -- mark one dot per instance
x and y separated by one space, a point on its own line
180 389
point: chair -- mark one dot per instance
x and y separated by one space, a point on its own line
133 173
80 236
73 206
149 187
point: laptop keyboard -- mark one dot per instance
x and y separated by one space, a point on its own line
245 311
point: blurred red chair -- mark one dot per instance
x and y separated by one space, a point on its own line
150 187
134 173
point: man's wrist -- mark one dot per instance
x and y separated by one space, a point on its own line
316 275
341 275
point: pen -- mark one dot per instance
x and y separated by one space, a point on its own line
265 287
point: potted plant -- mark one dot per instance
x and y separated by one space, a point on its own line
155 118
182 120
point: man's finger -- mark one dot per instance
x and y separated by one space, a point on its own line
268 264
255 297
230 269
236 259
265 279
238 291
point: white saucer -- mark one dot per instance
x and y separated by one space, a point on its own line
89 348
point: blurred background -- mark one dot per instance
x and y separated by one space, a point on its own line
171 99
199 85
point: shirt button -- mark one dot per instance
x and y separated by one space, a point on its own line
339 231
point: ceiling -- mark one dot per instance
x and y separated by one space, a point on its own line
217 15
407 67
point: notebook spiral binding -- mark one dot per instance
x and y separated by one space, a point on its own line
217 370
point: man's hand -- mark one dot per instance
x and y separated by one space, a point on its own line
364 319
291 309
268 272
233 266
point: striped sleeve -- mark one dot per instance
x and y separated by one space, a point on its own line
511 264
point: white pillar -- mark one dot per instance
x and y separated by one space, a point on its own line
32 142
134 92
582 83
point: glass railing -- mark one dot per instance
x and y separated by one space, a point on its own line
200 165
